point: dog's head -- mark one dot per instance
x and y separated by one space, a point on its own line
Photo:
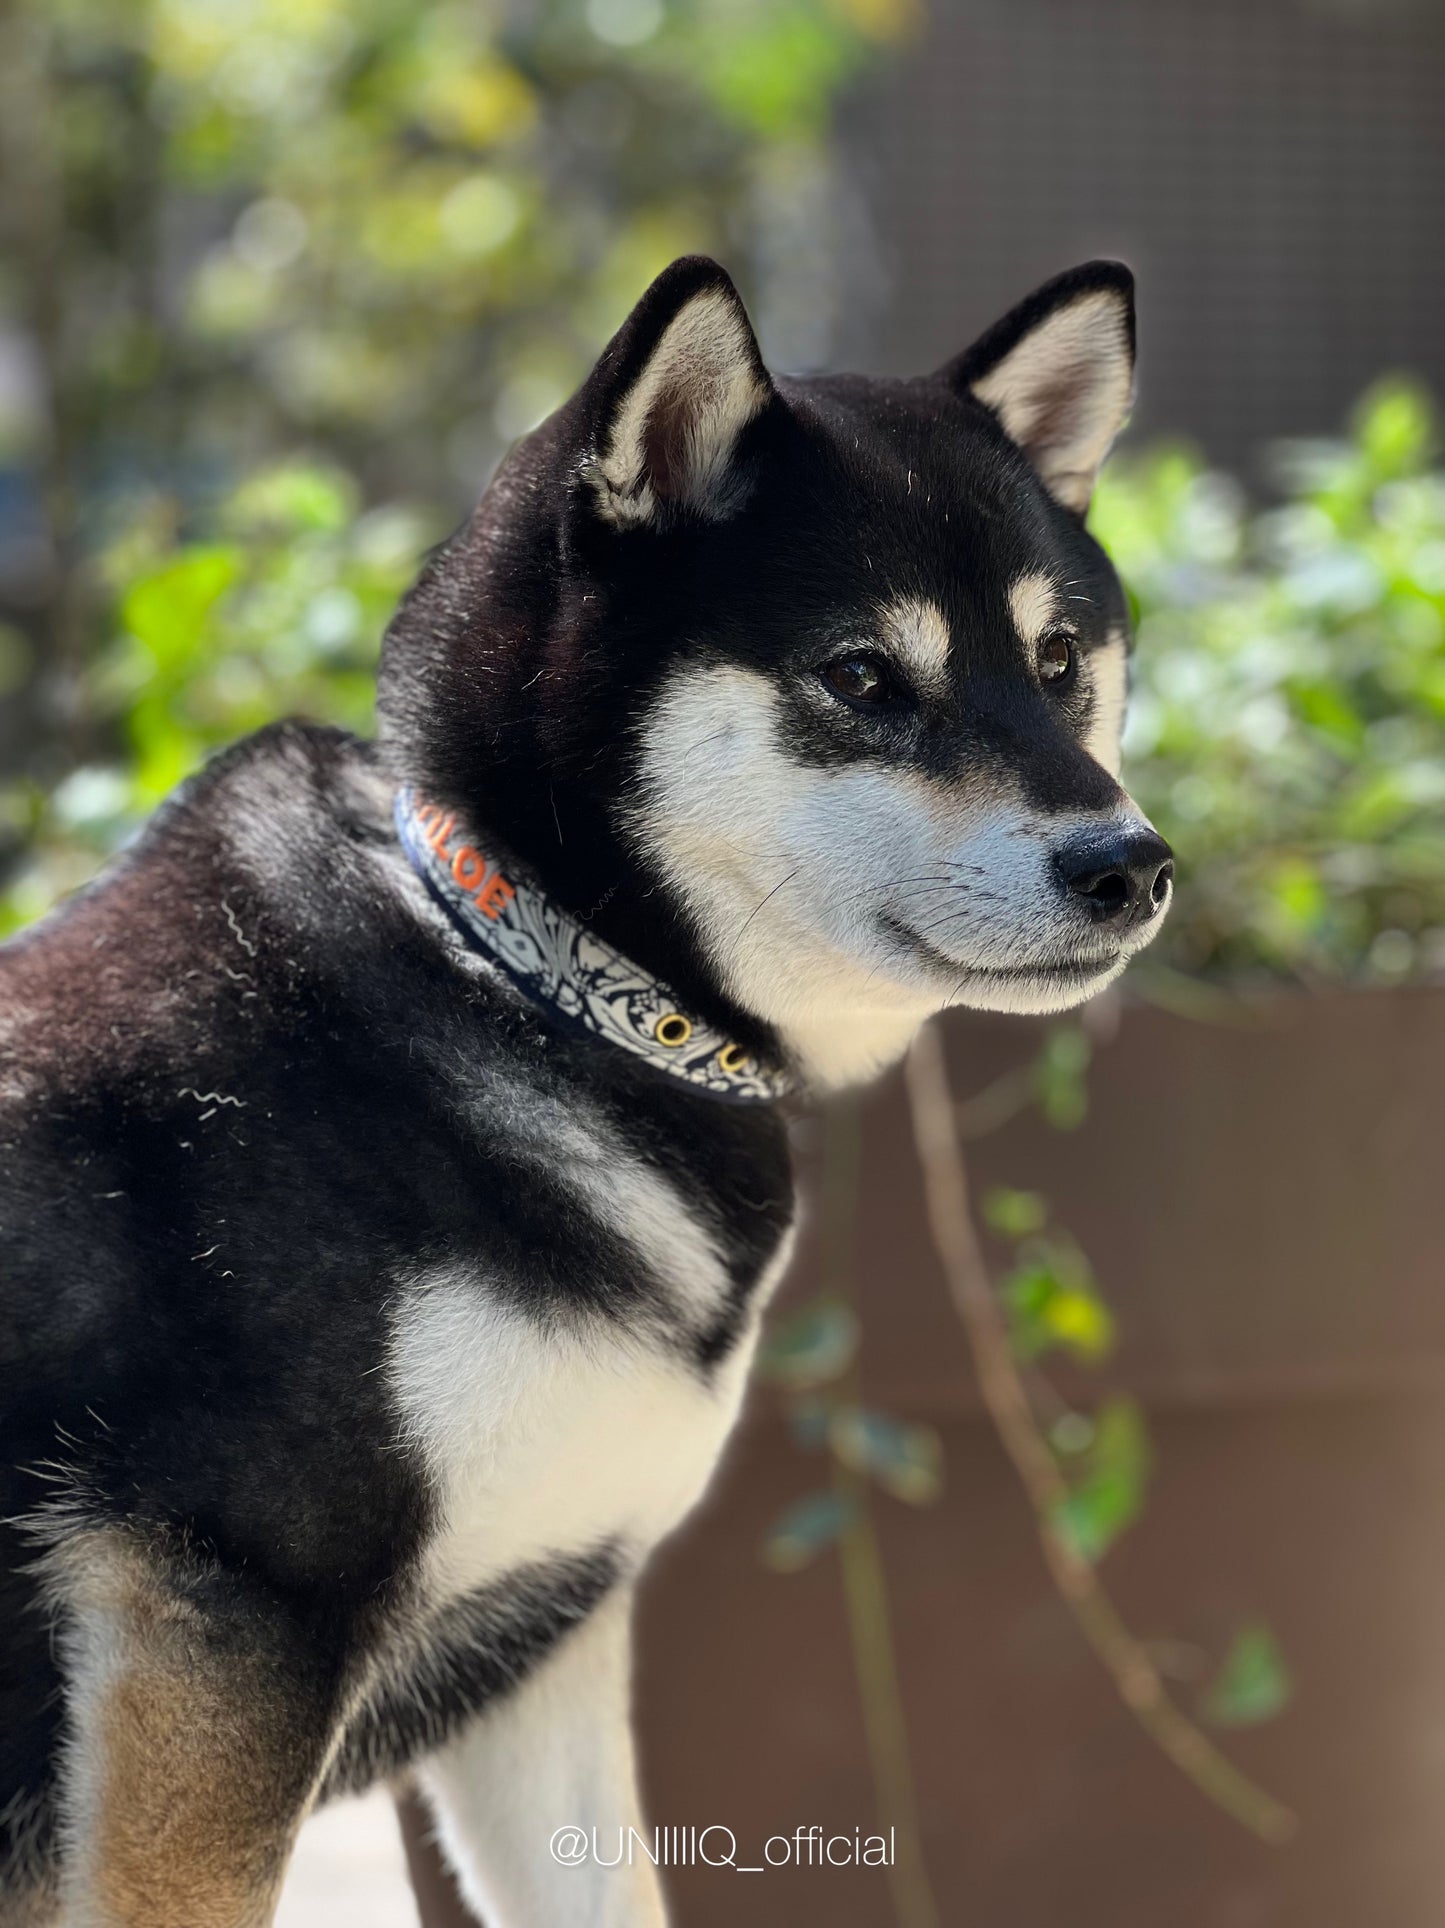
809 692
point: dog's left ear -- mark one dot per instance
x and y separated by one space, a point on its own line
1058 372
669 401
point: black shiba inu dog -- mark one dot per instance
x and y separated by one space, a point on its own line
391 1171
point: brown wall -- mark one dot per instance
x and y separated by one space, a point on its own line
1265 1208
1262 1197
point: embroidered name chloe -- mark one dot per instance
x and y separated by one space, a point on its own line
484 883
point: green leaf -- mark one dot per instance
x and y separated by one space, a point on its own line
1395 426
167 609
1080 1322
810 1348
1107 1491
1014 1214
906 1460
1051 1302
805 1530
1253 1684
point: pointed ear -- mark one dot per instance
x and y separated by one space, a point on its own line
1058 372
670 399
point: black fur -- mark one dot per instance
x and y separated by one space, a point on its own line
473 1649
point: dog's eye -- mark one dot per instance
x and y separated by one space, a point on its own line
860 678
1056 656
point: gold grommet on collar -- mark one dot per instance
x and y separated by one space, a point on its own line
673 1029
732 1057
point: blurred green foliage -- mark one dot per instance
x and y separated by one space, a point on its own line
1102 1449
280 282
811 1347
1052 1304
1287 725
810 1355
277 611
904 1457
1108 1474
1253 1683
808 1526
287 278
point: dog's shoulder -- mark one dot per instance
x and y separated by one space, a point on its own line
271 827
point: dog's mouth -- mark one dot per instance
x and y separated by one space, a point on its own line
1073 969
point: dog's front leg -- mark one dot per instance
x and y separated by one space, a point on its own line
197 1727
537 1801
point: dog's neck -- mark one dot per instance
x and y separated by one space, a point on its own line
841 1049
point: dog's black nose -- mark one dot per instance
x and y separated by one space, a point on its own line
1123 877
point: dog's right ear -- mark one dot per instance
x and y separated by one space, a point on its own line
1058 374
670 399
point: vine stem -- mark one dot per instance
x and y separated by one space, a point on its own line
1124 1657
874 1664
865 1585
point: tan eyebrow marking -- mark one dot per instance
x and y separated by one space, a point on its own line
1033 603
917 633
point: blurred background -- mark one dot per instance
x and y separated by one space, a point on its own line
279 283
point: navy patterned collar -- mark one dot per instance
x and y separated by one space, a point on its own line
565 968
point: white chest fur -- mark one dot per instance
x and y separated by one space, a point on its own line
548 1437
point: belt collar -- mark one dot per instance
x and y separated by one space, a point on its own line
564 967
